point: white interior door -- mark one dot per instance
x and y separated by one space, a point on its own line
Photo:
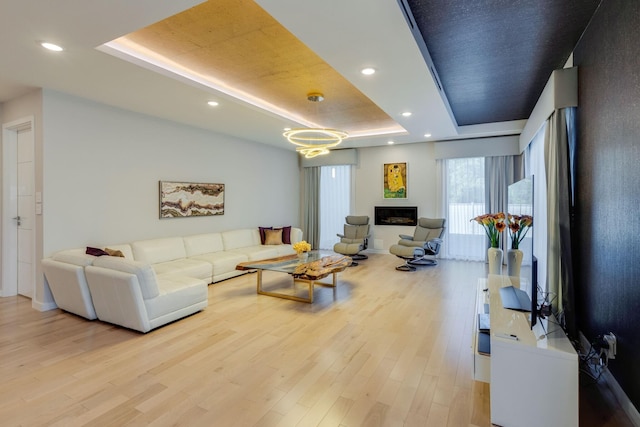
25 216
18 223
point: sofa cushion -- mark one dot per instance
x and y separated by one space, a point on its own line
143 271
296 235
262 230
95 251
155 251
185 267
114 252
125 248
284 250
241 238
199 244
176 293
74 256
286 234
223 261
273 237
259 252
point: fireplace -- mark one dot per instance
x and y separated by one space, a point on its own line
396 215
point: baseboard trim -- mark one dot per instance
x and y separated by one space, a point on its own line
618 392
376 251
41 306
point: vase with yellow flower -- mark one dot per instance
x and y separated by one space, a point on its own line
494 225
518 227
302 248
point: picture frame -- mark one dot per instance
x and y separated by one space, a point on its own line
395 181
188 199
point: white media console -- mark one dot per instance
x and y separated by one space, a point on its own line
533 373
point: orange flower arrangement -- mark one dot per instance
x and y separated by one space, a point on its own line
518 227
493 225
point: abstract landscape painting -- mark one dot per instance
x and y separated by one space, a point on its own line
184 199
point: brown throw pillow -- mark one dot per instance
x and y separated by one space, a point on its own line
261 230
95 251
273 237
114 252
286 234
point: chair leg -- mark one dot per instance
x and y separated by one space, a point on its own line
359 256
406 266
423 261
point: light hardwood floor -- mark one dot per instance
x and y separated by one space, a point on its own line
388 348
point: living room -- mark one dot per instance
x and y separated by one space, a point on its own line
98 167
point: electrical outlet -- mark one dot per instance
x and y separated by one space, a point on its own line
610 339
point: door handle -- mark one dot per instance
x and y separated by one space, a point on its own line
17 218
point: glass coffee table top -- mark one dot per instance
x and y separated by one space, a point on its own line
286 264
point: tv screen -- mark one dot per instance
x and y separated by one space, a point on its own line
520 205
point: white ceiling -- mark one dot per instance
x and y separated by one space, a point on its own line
348 35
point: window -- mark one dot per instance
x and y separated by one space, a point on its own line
335 202
464 199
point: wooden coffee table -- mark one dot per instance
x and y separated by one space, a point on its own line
317 266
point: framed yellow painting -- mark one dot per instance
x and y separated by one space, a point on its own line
395 180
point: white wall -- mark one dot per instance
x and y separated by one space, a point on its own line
102 166
421 183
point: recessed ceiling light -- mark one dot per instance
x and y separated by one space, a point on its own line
368 71
390 142
287 129
406 114
213 103
427 135
51 46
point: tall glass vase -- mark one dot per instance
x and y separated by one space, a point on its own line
514 262
494 255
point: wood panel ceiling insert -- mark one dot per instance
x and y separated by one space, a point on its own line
237 43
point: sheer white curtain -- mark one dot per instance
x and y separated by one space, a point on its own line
335 202
473 187
310 205
534 165
463 198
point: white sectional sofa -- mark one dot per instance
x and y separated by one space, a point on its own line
130 294
158 280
